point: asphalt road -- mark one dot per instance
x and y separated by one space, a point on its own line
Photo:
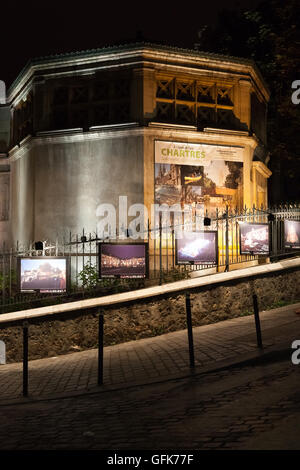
253 407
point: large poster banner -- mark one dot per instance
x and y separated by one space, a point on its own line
180 153
198 174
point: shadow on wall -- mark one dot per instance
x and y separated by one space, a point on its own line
3 146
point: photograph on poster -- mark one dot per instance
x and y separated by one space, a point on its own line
123 260
292 234
197 248
217 184
45 275
254 238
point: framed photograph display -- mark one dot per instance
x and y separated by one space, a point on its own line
123 260
254 238
44 274
197 248
292 234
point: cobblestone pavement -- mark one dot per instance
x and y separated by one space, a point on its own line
223 410
150 359
232 408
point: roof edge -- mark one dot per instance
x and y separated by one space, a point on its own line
131 46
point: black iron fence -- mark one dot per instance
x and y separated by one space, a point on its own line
81 250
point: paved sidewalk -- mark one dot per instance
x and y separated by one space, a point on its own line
152 359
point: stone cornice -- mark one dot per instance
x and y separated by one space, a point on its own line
179 134
262 169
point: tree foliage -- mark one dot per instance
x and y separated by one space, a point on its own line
270 35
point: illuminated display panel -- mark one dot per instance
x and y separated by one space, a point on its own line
254 238
197 248
188 173
292 234
121 260
43 274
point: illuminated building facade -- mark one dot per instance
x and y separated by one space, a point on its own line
153 123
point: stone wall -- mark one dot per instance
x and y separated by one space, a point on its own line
58 182
153 317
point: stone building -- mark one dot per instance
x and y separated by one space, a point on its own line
4 166
81 129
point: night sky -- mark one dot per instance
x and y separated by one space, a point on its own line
36 28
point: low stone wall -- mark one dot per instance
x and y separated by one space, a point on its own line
154 316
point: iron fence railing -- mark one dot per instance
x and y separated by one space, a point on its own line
82 250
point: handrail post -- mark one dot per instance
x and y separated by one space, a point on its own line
257 322
25 359
190 328
100 348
